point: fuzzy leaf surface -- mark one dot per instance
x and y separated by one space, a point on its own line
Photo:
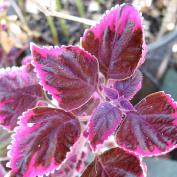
103 122
69 74
114 162
117 41
19 91
152 128
129 87
42 141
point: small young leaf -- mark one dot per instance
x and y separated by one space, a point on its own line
103 122
125 105
114 162
111 93
19 91
129 87
42 141
152 129
69 74
117 41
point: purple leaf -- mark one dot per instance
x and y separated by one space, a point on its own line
129 87
42 141
152 129
88 107
125 105
111 93
69 74
103 122
19 91
115 162
117 41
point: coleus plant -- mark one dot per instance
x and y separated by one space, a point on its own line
72 103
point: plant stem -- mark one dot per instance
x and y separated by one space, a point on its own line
80 7
49 101
49 12
63 24
100 94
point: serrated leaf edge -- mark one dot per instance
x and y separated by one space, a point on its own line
9 153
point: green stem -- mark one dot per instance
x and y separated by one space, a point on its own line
63 24
49 101
80 8
53 29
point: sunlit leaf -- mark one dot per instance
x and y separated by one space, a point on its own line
117 41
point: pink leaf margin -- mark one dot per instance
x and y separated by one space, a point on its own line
107 21
15 153
37 66
170 147
157 152
107 132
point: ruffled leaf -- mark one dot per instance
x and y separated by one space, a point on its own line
103 122
114 162
19 91
117 41
129 87
42 141
69 74
152 129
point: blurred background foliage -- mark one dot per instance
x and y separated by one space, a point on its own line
62 22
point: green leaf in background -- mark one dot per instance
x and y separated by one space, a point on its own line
5 140
170 83
2 171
